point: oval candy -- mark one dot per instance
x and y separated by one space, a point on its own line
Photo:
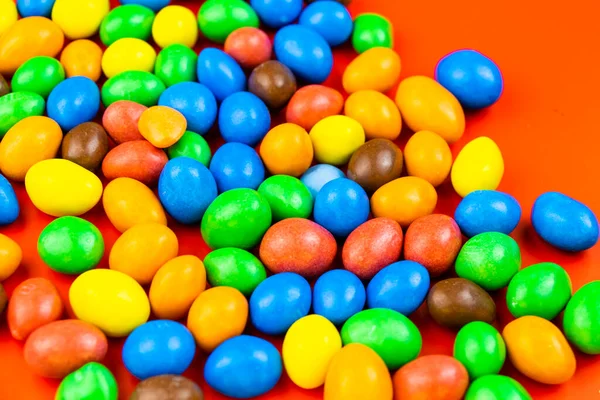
38 75
127 21
318 175
9 205
249 46
86 145
136 159
193 146
176 64
480 348
287 196
162 126
121 119
428 156
167 387
128 54
376 112
375 163
195 102
487 211
234 268
15 107
218 19
478 166
93 380
73 101
497 387
287 150
338 295
312 103
581 320
372 30
80 18
82 58
236 165
330 20
341 206
376 69
10 255
220 72
175 25
244 118
273 83
336 138
138 86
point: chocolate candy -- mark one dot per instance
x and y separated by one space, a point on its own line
273 82
3 299
167 387
375 163
4 88
86 145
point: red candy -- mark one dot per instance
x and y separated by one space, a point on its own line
249 46
433 241
311 104
372 246
121 121
138 160
298 245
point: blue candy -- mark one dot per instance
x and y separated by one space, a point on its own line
341 206
35 8
157 348
317 176
564 222
401 286
487 211
243 367
277 13
236 165
9 205
338 295
305 52
278 302
154 5
473 78
195 101
329 19
73 101
244 118
220 73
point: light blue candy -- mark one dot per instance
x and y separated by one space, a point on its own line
317 176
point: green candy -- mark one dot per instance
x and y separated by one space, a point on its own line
71 245
480 348
581 321
128 21
372 30
235 268
489 259
38 75
175 64
137 86
287 196
17 106
496 387
236 218
191 145
218 18
390 334
93 381
542 290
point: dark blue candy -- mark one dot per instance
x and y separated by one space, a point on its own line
244 118
220 73
487 211
195 101
277 13
157 348
73 101
236 165
278 302
154 5
330 19
317 176
35 8
473 78
9 205
338 295
341 206
243 367
564 222
305 52
401 286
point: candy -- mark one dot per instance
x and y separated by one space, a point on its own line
80 19
277 13
243 367
433 241
142 250
489 259
249 46
162 126
35 302
128 21
541 289
433 377
15 107
278 302
372 30
4 86
404 200
128 54
376 112
218 18
234 268
455 302
137 86
331 20
392 335
128 202
61 187
273 83
70 245
473 78
93 380
497 387
487 211
372 246
175 64
73 101
312 103
375 163
428 156
287 150
336 138
86 145
217 315
195 102
158 347
186 188
376 69
219 71
167 387
236 218
137 159
533 344
317 176
236 165
10 255
109 299
176 285
120 120
175 25
564 222
9 205
154 5
581 319
357 372
287 196
244 118
341 206
8 15
193 146
38 75
3 299
480 348
338 295
478 166
82 58
298 245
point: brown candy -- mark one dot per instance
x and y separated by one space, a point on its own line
86 145
375 163
455 302
3 299
4 87
273 82
167 387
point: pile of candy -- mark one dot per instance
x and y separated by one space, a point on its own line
273 219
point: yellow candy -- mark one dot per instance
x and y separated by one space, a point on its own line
128 54
479 166
8 14
111 300
61 187
10 257
428 156
79 19
336 138
426 105
377 113
375 69
175 25
308 348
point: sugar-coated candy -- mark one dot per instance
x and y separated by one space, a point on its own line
235 165
175 64
341 206
318 175
372 30
86 145
38 75
127 21
93 380
428 156
80 19
287 150
219 18
195 102
175 25
338 295
244 118
73 101
480 348
330 19
249 46
377 113
478 166
82 58
234 268
128 54
9 205
220 72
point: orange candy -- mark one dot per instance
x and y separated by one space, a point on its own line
82 58
428 156
10 256
162 126
376 112
287 150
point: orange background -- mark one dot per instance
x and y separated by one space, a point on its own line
545 123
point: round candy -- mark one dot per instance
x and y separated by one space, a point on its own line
428 156
195 102
338 295
277 13
8 14
330 19
15 107
73 101
154 5
497 387
218 18
138 86
487 211
120 120
128 54
480 348
175 64
93 380
9 205
581 320
4 86
341 206
82 58
244 118
175 25
478 166
278 302
167 387
3 298
376 112
249 46
128 21
10 255
376 69
137 159
375 163
38 75
162 126
336 138
287 196
287 150
80 19
220 72
318 175
312 103
273 83
372 30
86 145
193 146
234 268
236 165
